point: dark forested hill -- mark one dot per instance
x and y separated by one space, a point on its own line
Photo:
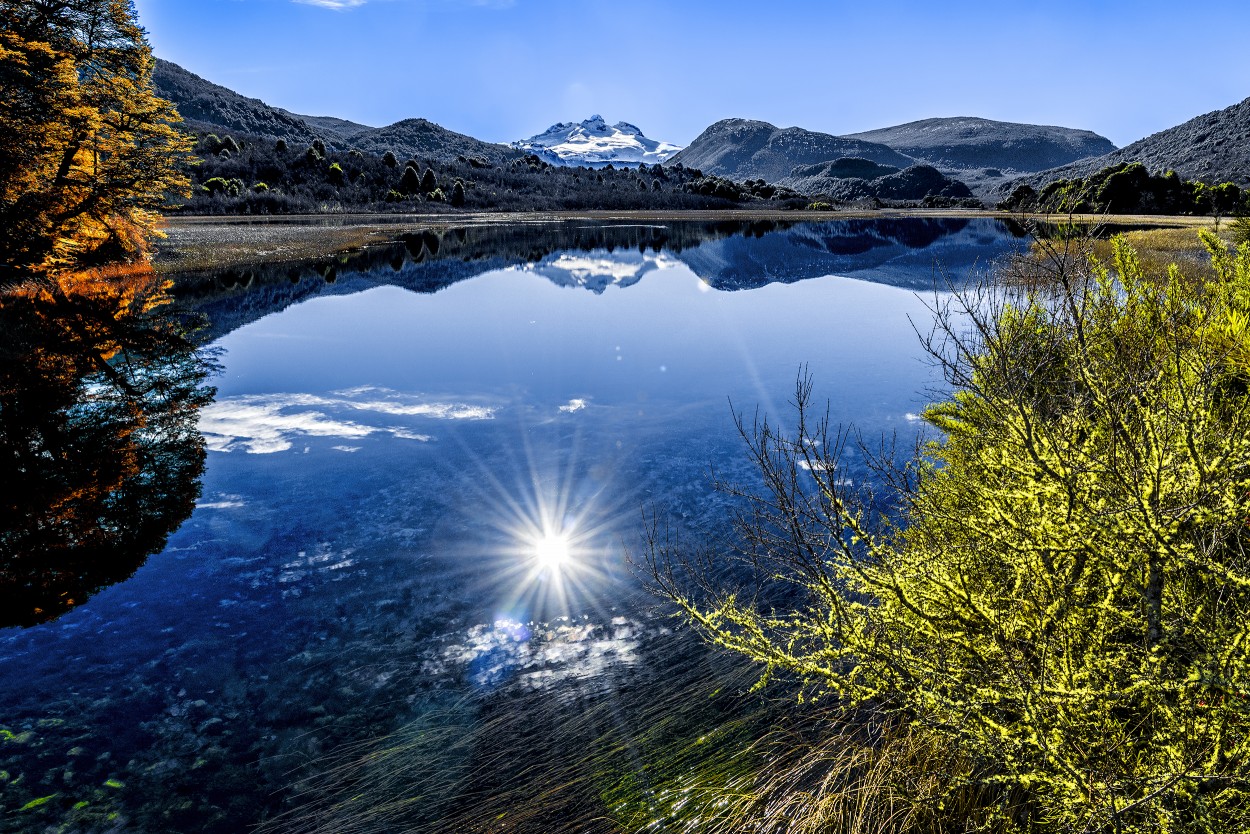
425 140
744 149
211 108
1212 148
968 142
857 180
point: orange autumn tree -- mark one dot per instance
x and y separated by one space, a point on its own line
88 152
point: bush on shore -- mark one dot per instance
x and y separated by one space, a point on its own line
1059 589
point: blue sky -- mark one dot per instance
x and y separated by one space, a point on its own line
507 69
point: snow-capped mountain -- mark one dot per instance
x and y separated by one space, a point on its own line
596 143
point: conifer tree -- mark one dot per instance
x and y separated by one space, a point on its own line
410 182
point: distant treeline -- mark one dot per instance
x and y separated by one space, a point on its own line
256 176
1129 188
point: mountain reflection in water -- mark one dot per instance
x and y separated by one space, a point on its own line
423 464
99 394
728 255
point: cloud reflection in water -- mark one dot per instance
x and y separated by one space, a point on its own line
540 655
267 423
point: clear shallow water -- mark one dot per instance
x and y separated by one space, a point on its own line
385 466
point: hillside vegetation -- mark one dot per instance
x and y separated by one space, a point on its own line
1130 189
1211 148
257 176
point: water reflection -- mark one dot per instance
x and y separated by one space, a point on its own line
99 395
410 541
917 253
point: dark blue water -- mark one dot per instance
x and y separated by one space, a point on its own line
415 493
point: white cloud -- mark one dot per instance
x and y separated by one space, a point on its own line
345 5
337 5
574 405
386 401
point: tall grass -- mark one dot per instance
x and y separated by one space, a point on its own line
1064 246
630 750
682 744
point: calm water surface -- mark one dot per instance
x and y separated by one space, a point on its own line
425 467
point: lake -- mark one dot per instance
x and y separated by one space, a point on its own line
405 576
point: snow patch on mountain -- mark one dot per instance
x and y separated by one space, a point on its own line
596 143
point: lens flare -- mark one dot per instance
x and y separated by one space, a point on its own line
548 537
553 551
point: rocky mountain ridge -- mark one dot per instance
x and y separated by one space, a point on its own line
968 142
210 107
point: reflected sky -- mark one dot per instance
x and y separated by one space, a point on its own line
538 401
514 339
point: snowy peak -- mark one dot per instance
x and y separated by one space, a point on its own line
596 143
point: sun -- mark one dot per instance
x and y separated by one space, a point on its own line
552 551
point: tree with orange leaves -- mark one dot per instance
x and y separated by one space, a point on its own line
88 152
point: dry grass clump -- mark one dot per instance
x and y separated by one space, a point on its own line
1058 248
1159 248
856 774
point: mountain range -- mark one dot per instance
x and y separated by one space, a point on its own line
990 157
978 152
748 149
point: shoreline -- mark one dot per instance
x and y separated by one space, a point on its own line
201 242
